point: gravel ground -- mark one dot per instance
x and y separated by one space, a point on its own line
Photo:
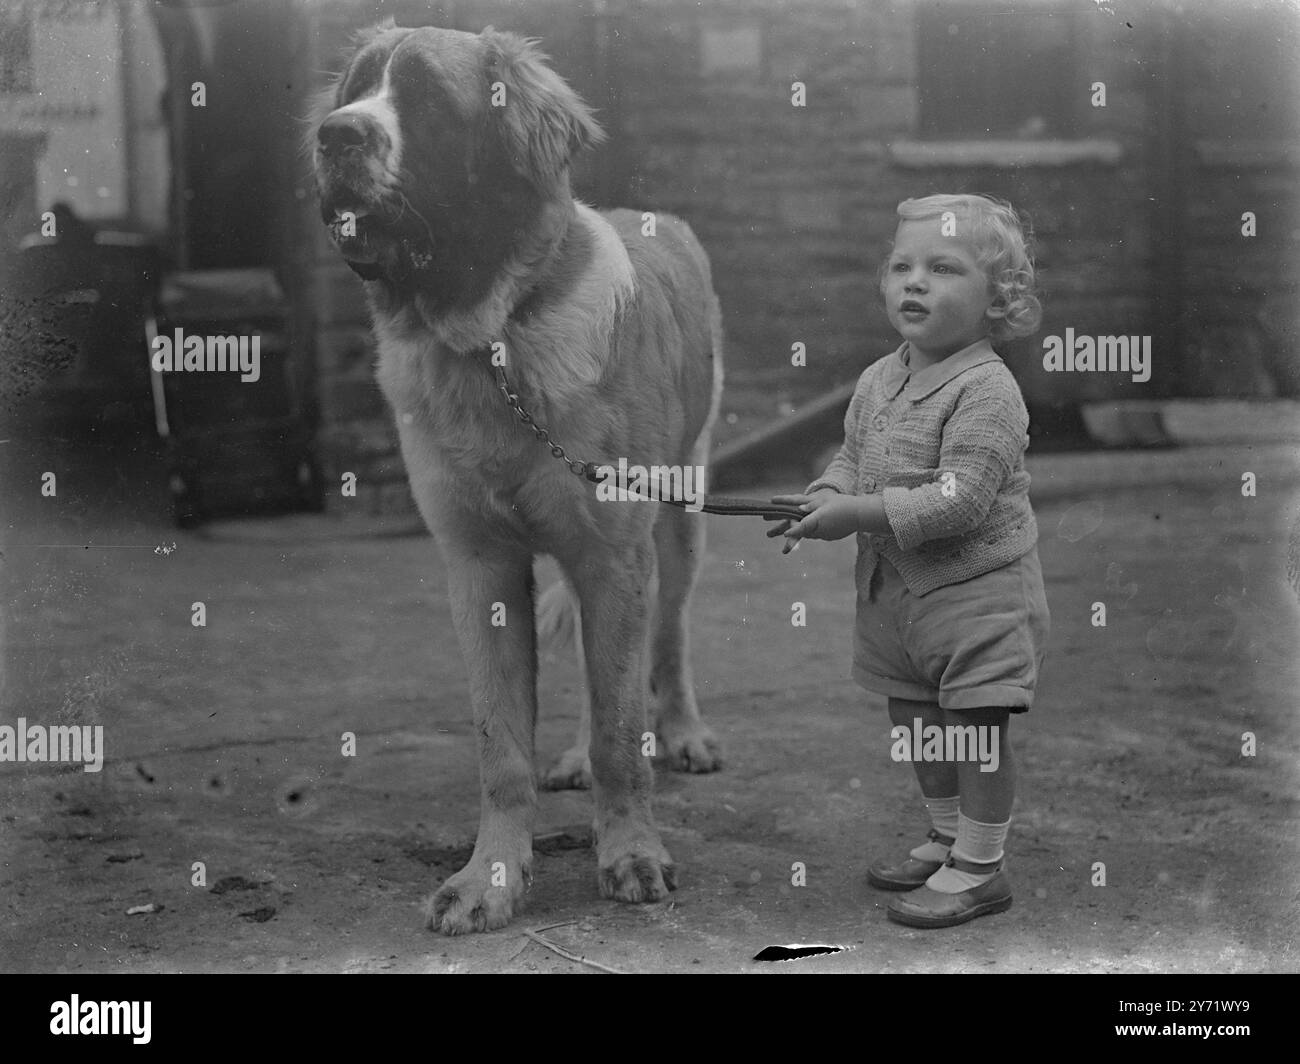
223 743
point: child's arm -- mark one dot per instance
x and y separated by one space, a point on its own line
982 442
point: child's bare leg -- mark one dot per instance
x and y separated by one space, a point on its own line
971 883
988 787
938 782
986 796
938 779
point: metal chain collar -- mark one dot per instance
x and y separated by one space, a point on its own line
576 466
715 504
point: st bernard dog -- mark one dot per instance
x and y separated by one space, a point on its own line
442 167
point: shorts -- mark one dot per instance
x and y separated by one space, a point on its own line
977 643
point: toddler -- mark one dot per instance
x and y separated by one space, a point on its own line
952 619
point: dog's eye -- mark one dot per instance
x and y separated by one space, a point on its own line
413 81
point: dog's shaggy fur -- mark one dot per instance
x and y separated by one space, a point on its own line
458 215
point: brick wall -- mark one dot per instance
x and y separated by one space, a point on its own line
796 204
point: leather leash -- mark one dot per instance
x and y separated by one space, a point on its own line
728 505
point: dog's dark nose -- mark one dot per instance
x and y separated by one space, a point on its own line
342 131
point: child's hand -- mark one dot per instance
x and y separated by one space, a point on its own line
831 516
804 502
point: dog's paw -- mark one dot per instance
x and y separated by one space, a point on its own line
638 876
471 900
690 747
571 773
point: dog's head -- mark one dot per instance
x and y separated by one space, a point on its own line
437 145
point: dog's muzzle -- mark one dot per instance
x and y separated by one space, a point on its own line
347 131
346 145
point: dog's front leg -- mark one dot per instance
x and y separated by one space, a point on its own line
491 595
612 588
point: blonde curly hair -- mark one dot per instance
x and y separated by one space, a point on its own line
1003 243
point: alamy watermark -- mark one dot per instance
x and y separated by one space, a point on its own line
179 353
1098 354
947 742
60 742
626 483
102 1017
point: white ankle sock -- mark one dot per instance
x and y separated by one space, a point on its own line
980 843
943 815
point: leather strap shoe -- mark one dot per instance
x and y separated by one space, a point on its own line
908 874
931 908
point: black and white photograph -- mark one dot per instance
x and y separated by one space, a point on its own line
651 487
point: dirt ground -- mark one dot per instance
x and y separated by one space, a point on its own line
224 744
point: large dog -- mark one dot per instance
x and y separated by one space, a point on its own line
443 174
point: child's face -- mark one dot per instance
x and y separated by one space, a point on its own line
936 294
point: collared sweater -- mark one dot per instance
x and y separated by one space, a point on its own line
946 448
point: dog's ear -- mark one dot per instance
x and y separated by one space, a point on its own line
540 121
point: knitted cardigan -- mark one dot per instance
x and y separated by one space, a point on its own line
905 432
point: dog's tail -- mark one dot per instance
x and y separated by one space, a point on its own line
557 617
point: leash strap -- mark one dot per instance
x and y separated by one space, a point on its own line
726 505
739 506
